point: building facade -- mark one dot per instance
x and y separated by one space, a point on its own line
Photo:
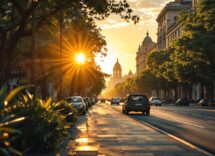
117 75
169 29
147 46
166 18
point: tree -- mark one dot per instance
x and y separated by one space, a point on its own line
194 57
16 20
148 81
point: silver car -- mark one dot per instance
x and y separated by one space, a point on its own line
155 101
78 103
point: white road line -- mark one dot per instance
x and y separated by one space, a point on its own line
172 136
190 124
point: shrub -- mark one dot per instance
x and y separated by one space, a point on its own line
44 125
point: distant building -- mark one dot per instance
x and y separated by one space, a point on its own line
147 46
117 75
129 75
166 19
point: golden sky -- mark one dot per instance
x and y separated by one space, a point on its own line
123 38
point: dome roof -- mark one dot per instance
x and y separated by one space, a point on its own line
130 73
147 39
117 66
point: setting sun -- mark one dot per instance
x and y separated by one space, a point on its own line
80 58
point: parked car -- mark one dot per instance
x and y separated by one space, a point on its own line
87 103
155 101
115 101
203 102
137 103
78 103
182 102
94 100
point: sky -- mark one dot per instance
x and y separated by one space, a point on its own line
124 38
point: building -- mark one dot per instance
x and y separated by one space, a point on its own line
147 46
169 29
117 75
166 18
115 79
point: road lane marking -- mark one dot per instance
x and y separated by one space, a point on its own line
184 122
179 139
190 124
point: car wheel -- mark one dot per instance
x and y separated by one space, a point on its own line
148 112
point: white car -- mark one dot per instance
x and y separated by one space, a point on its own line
78 103
155 101
115 101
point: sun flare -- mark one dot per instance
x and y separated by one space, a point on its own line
80 58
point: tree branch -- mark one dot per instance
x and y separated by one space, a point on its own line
18 7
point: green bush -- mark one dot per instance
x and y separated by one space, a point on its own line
66 109
44 124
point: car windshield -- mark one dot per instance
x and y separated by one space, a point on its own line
74 100
155 98
115 99
137 99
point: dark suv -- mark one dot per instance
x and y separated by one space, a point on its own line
137 103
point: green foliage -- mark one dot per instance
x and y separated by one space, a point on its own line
33 125
195 55
78 16
67 110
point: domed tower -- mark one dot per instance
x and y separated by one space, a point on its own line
146 47
117 70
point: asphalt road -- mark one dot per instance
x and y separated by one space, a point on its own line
192 124
106 131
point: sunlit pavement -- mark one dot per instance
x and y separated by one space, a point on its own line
107 132
192 124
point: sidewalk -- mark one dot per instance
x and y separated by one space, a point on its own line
109 133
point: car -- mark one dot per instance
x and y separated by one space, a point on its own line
102 100
87 103
182 102
155 101
137 103
78 103
115 101
93 100
203 102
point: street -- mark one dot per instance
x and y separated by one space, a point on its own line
108 132
192 124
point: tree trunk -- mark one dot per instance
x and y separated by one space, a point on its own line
202 90
176 93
